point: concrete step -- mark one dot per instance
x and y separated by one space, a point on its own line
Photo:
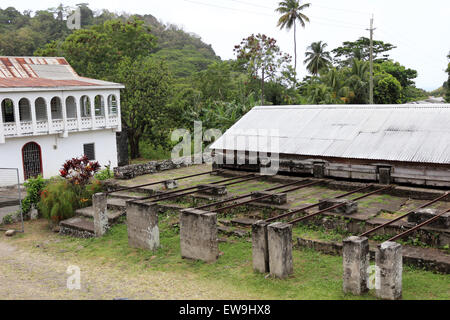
80 227
113 214
233 231
128 195
116 203
243 222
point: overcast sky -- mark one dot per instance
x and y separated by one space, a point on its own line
419 29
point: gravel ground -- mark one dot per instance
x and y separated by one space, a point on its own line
33 273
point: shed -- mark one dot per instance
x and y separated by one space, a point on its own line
349 141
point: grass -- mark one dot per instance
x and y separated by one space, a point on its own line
316 276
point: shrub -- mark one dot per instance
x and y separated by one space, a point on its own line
34 188
60 199
104 174
79 171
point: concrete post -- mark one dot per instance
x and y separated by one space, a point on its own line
99 204
198 235
142 225
389 261
355 262
280 249
384 175
319 170
170 184
260 249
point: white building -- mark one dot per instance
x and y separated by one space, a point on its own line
49 114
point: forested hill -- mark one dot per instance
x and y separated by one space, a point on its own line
21 34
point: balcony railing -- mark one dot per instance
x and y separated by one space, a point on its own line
59 126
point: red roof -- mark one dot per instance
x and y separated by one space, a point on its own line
20 72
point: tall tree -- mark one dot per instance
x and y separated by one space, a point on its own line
317 57
144 103
360 49
447 84
291 13
261 57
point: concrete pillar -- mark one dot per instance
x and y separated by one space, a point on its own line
424 214
260 249
142 225
99 203
384 175
276 198
212 189
49 115
319 170
33 115
106 110
64 116
17 116
170 184
389 262
92 108
198 235
356 262
279 238
2 129
347 207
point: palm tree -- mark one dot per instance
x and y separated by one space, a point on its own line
291 12
358 81
317 58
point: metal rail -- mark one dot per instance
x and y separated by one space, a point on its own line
337 205
314 205
191 188
418 226
162 181
266 196
247 195
204 189
405 215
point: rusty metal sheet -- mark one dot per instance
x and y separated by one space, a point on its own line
410 133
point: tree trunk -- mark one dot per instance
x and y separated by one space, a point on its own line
262 87
295 48
134 146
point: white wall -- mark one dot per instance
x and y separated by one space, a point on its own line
66 148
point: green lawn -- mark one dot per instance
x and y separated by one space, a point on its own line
316 276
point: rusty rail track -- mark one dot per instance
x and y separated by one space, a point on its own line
405 215
337 205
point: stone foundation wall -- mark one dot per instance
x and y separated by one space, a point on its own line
135 170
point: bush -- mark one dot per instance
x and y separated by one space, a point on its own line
60 198
34 188
104 174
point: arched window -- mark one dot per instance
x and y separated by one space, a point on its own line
41 109
99 104
32 160
56 108
24 109
71 108
8 110
85 106
112 105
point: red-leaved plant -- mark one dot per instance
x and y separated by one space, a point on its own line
78 171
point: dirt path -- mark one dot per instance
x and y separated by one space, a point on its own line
36 274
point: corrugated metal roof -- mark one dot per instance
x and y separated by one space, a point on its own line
30 72
410 133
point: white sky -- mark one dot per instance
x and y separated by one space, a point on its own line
419 29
